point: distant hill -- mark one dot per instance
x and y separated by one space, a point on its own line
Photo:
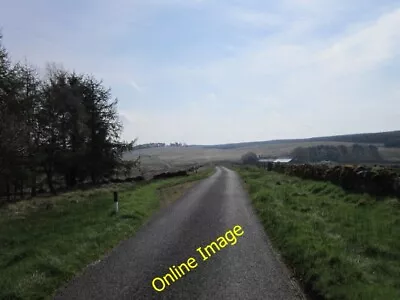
383 138
387 139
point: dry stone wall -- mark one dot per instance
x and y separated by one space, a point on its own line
372 180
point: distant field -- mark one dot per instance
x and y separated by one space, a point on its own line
391 154
178 157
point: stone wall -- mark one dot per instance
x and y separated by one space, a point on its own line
375 181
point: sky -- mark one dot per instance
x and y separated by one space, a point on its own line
213 72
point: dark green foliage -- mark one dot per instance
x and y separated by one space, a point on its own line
250 158
62 126
18 99
395 143
341 153
364 138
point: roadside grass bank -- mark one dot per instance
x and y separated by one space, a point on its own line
170 194
45 242
340 245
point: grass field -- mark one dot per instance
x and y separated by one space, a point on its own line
45 242
340 245
175 157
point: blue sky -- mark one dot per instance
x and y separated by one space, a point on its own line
204 72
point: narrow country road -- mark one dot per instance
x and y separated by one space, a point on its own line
247 270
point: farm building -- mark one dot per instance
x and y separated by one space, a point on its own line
283 160
268 162
264 162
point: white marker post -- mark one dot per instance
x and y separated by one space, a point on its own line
116 201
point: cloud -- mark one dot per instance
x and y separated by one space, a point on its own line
275 88
368 48
135 85
214 72
254 18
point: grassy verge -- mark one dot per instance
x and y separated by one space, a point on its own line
172 193
45 242
340 245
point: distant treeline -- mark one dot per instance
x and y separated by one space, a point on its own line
159 145
61 125
387 139
149 145
340 153
393 143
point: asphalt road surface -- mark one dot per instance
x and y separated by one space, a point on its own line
250 269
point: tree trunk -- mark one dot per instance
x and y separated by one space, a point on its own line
33 187
73 180
8 190
22 189
93 177
49 176
66 179
15 191
70 178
